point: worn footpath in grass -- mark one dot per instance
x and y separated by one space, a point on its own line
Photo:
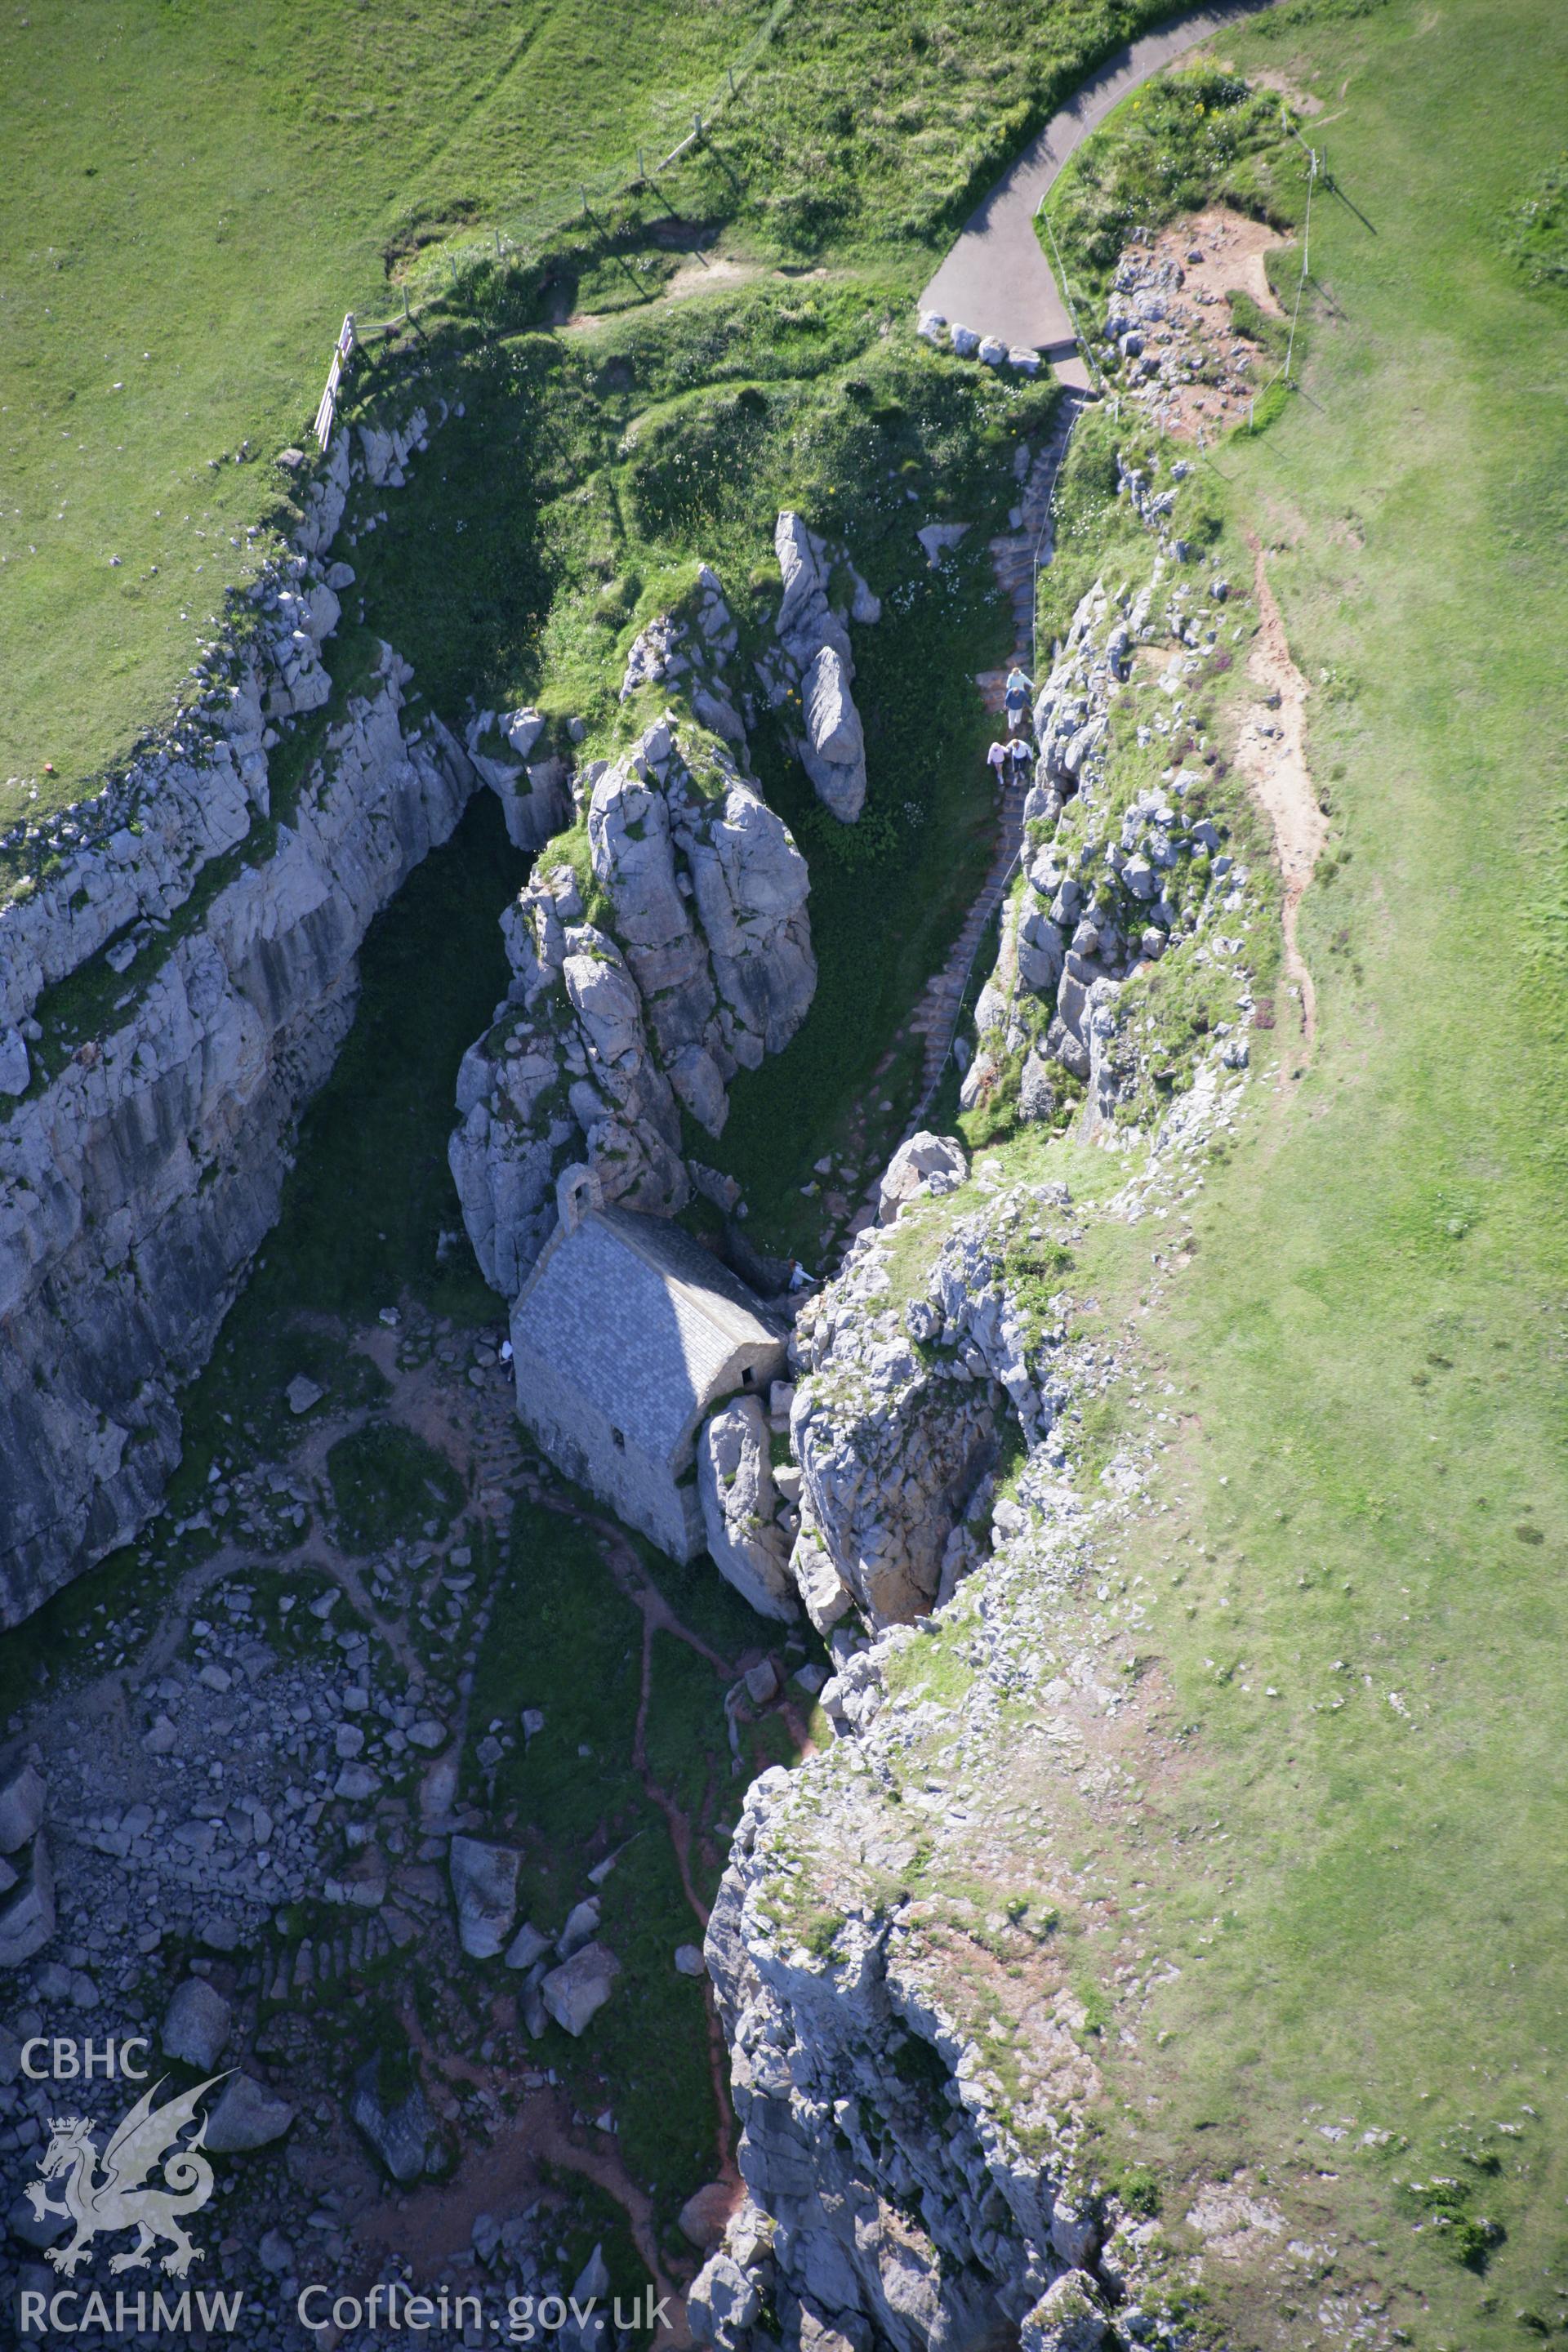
1362 1513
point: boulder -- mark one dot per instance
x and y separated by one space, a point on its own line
703 2216
28 1916
711 711
1036 1091
926 1163
604 999
21 1803
246 2116
15 1067
484 1889
575 1992
833 753
529 1943
734 1480
195 2024
1068 2317
824 1595
582 1926
722 2301
1041 952
398 2136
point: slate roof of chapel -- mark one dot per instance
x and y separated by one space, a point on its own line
641 1320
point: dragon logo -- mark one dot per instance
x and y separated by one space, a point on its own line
111 2194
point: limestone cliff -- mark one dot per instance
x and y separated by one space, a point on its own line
176 975
911 2064
137 1179
909 2055
697 962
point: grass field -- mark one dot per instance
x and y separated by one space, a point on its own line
196 192
1366 1509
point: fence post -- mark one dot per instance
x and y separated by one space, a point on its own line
731 71
642 167
497 244
697 126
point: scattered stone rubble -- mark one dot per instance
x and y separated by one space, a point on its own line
256 1838
1170 345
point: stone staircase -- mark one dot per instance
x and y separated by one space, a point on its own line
937 1015
1017 557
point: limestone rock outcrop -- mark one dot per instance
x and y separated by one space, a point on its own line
139 1175
690 652
740 1507
897 1423
699 963
814 641
1104 894
510 754
899 2217
134 857
922 1164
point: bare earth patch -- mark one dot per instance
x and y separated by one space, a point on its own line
1271 753
1234 2225
1196 375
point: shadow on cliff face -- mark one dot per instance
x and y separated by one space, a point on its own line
370 1194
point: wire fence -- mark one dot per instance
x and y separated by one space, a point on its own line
528 230
1085 347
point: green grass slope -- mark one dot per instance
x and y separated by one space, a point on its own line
1360 1561
195 194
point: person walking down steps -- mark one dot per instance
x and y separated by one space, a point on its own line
1016 697
997 760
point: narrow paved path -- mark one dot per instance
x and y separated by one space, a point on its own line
997 278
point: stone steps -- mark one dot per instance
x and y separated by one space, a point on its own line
1017 557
